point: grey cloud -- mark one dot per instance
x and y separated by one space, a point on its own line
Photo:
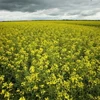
69 8
19 5
28 5
87 13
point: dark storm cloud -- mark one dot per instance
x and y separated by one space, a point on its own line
69 8
33 5
17 5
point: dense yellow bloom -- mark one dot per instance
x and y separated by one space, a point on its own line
50 60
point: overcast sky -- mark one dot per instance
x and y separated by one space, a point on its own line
49 9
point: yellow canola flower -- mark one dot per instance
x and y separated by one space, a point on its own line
10 85
2 92
35 87
41 50
46 98
1 78
23 84
7 94
22 98
32 69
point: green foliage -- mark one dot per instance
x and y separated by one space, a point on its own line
49 60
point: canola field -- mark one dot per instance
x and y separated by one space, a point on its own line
50 60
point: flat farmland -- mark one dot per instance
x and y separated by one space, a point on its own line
50 60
